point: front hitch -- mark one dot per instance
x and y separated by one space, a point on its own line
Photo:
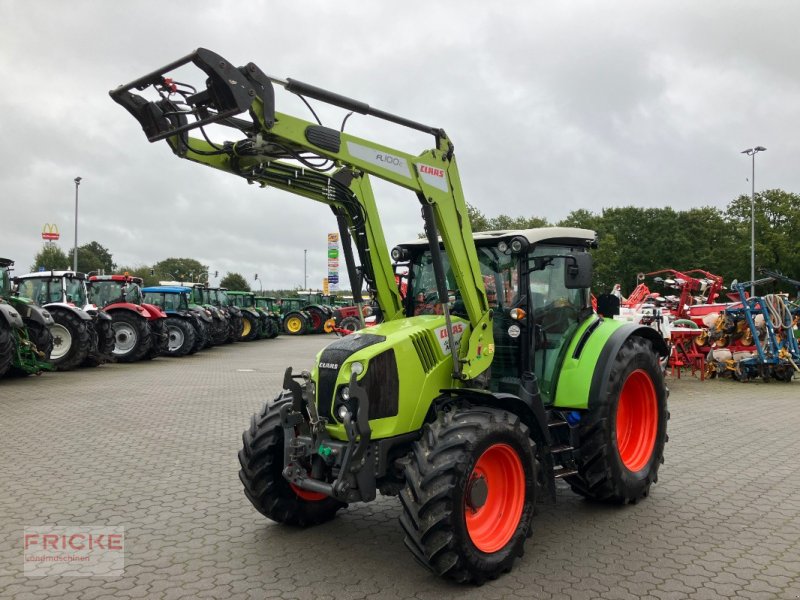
353 461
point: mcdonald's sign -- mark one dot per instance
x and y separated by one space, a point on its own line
50 232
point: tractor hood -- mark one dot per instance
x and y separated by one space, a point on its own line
390 361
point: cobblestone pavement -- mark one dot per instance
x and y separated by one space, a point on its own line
152 447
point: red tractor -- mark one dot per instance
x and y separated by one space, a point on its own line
140 329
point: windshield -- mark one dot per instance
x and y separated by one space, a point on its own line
107 292
166 301
499 278
43 290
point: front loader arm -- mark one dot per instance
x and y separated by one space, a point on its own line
271 138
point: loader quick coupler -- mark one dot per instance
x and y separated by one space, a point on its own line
352 462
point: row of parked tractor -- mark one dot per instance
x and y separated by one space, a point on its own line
62 320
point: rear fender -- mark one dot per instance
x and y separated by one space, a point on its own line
155 311
11 316
32 312
80 313
584 374
140 311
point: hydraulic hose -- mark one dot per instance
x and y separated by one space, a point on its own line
779 314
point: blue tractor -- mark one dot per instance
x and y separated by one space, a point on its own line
188 325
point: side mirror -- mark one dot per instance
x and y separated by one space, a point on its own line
578 274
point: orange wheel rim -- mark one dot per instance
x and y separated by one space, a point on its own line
306 495
637 420
494 498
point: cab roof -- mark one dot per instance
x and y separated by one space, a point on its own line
122 278
538 235
167 289
43 274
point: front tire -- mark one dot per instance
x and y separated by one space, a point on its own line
470 494
622 437
261 459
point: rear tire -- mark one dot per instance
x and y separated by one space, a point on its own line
219 332
132 337
317 318
295 323
350 324
200 335
159 338
181 337
274 328
41 337
261 459
622 438
6 347
250 327
102 330
71 340
470 494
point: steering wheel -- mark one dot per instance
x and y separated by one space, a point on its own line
557 316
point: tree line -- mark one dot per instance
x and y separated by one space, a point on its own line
631 240
96 259
635 240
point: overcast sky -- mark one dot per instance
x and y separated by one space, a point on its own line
552 106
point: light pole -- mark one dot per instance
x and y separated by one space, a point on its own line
260 287
305 269
751 152
75 248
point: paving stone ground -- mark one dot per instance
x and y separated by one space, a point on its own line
152 447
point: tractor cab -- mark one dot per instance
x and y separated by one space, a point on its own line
112 289
48 287
537 285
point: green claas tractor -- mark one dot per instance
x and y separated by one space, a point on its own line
487 382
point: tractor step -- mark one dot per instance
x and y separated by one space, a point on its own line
564 472
560 449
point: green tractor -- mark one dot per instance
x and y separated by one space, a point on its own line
488 381
25 338
296 320
269 306
219 330
256 324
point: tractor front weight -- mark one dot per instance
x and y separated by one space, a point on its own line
311 456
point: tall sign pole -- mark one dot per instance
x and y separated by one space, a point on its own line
75 247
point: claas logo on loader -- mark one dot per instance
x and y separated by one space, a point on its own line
431 170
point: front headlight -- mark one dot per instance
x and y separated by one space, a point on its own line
357 367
